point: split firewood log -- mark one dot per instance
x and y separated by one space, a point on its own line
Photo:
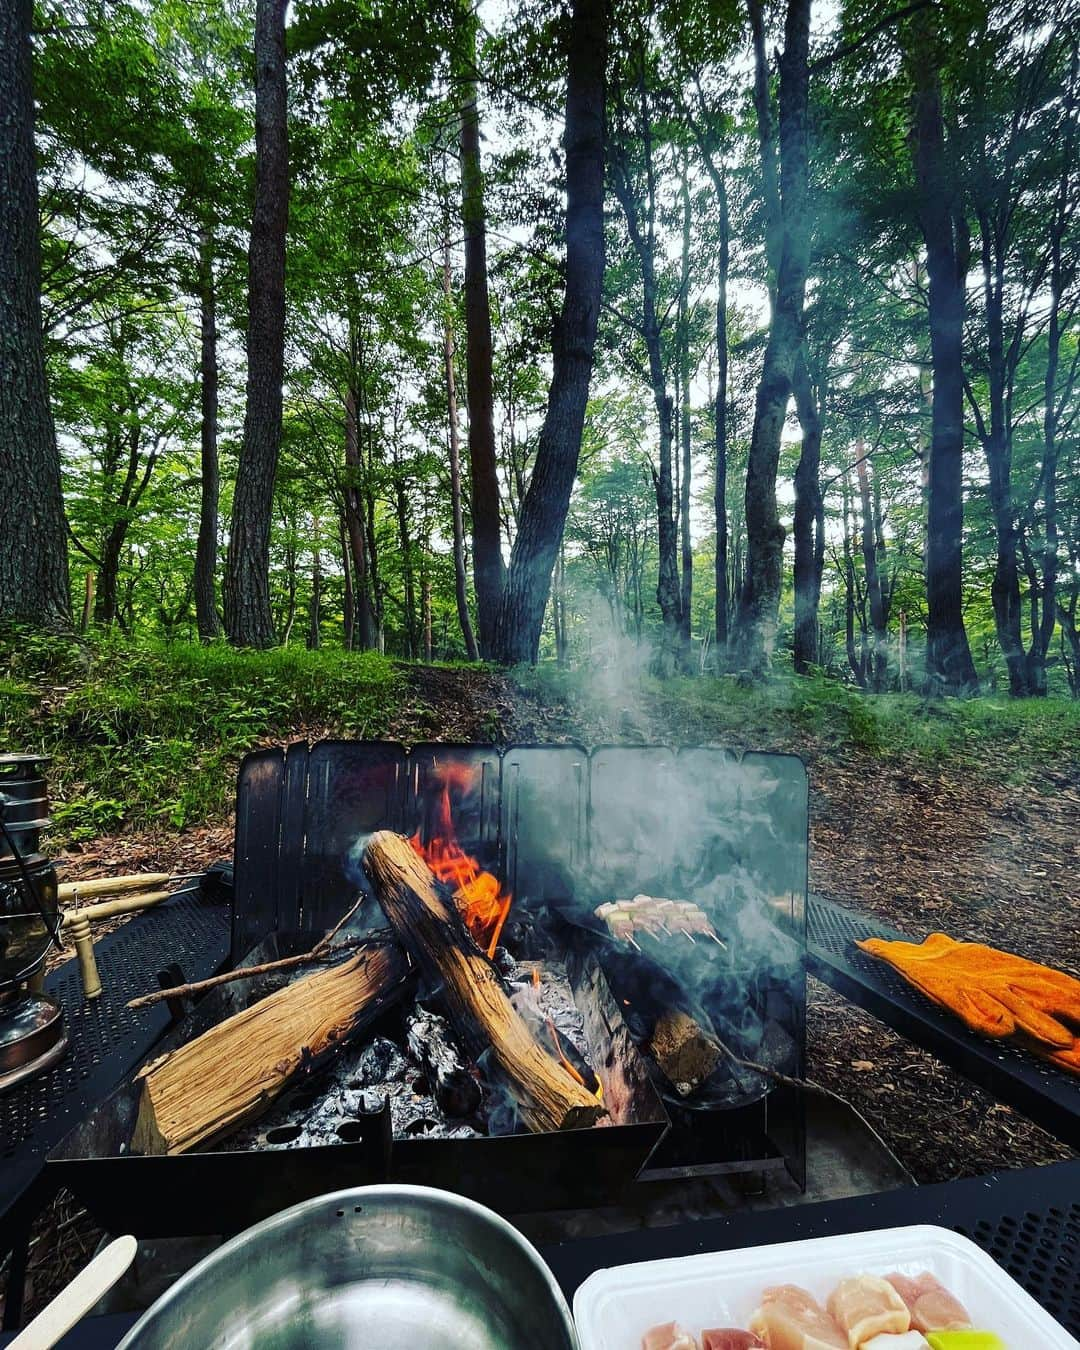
686 1052
546 1095
231 1073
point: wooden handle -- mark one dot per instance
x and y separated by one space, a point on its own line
75 1300
108 909
111 885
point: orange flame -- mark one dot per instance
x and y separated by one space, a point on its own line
480 899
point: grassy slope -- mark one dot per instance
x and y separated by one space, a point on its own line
149 734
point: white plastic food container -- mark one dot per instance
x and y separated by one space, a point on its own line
614 1308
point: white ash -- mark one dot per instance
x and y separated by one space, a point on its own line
551 999
358 1081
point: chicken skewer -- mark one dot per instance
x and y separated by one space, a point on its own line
653 916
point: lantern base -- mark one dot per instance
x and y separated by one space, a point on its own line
32 1036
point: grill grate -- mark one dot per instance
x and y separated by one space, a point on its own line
1041 1251
834 930
1044 1094
105 1038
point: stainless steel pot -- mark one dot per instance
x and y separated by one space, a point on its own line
376 1268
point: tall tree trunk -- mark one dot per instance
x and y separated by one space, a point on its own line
853 660
425 604
206 546
807 524
401 503
949 667
34 586
461 592
879 666
488 567
720 515
348 600
112 547
543 513
789 244
996 437
354 522
641 225
377 599
314 633
1054 399
248 619
686 595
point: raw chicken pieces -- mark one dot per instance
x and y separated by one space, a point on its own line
791 1319
930 1304
668 1336
907 1340
729 1338
865 1306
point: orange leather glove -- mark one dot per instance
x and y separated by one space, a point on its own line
994 993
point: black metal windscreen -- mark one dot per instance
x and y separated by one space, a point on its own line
553 821
567 829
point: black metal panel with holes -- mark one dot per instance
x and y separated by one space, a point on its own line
1044 1094
1028 1221
106 1039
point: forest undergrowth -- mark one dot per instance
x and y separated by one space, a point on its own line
149 734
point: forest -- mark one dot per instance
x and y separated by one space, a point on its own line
744 336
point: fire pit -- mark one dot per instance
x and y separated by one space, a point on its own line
702 1009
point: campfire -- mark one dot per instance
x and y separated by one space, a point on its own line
502 981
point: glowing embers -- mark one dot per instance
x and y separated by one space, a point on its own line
478 894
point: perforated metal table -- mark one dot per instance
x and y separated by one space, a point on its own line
106 1040
1028 1221
1044 1094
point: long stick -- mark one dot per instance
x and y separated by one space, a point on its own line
145 881
319 952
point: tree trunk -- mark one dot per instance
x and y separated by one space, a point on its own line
34 586
314 633
720 425
879 666
354 523
641 225
949 667
206 546
1054 399
377 601
248 619
686 595
425 605
461 592
543 513
401 503
488 568
105 607
809 536
348 602
756 620
854 662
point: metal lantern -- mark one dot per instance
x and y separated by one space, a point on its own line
32 1033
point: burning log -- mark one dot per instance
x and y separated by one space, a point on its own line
449 1079
546 1095
685 1051
235 1070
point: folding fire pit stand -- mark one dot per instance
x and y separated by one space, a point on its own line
567 829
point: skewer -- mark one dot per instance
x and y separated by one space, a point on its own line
689 935
632 943
717 941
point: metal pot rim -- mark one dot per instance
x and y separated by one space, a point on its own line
357 1195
